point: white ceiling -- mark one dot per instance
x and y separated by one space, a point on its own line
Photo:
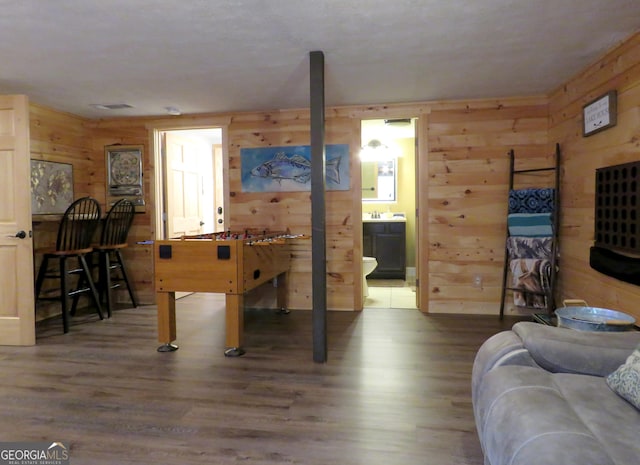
234 55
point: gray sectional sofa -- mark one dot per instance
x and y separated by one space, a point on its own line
541 397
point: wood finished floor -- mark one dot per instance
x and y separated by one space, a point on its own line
395 390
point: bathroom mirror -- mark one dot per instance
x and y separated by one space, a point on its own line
379 180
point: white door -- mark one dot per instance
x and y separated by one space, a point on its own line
17 311
184 187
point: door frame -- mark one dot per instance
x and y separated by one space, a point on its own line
421 196
155 129
422 213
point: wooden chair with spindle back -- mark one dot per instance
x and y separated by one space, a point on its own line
73 242
113 239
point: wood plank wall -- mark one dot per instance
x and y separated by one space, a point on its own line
63 138
273 211
138 258
463 175
292 210
468 174
618 70
466 190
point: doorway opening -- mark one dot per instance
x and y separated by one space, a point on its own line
191 189
190 167
389 227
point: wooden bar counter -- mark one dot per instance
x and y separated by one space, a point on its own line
227 263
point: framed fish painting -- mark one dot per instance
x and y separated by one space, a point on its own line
288 169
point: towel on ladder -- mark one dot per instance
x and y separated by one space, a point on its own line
530 224
532 200
529 247
533 275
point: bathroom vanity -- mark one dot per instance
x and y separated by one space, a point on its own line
385 239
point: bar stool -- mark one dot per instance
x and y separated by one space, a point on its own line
112 240
75 233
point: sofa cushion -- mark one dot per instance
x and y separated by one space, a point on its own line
504 348
523 418
562 350
609 418
625 381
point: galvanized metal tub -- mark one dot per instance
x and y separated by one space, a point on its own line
587 318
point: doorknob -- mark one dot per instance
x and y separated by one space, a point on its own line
202 223
19 235
219 210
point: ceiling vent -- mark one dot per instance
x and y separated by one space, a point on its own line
111 106
398 122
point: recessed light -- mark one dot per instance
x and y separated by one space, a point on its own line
173 111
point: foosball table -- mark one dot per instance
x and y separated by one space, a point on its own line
229 263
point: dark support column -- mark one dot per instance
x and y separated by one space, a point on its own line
318 223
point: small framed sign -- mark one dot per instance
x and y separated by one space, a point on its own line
600 114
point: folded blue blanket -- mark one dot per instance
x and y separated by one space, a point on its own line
530 224
531 200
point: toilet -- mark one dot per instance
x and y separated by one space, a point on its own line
368 265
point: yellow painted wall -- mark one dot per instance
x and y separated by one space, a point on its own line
407 194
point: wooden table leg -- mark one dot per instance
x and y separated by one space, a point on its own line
166 302
234 325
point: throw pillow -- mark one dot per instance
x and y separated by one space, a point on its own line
625 381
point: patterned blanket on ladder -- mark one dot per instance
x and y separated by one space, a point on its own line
533 275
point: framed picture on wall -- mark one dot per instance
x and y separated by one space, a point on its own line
600 114
124 173
51 187
124 165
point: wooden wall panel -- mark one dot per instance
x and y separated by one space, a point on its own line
282 211
273 211
466 195
57 136
62 138
618 70
138 257
468 166
463 176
